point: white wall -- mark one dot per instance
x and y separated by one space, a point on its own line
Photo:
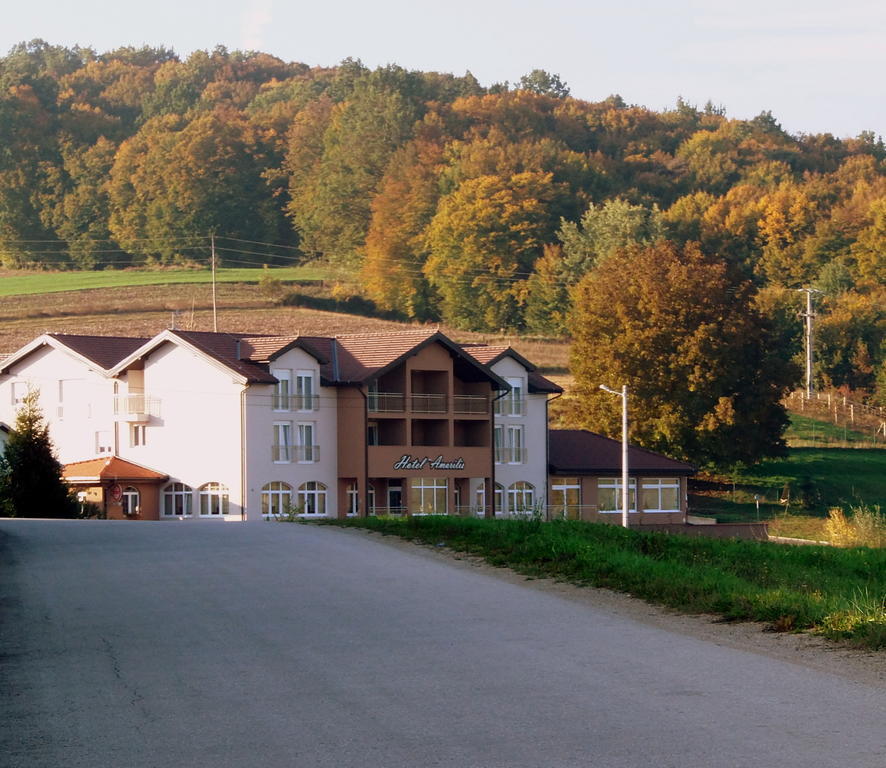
260 417
76 400
534 422
194 434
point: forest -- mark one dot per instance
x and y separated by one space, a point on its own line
487 207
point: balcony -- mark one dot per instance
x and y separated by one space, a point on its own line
300 454
386 402
508 454
470 404
296 402
136 407
429 403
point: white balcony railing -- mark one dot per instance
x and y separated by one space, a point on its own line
296 402
302 454
428 403
135 407
508 454
511 405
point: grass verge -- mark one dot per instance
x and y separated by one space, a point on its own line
839 593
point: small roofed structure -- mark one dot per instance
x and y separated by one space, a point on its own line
123 490
585 480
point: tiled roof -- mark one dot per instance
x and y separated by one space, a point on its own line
539 384
104 351
361 355
228 349
489 355
578 452
109 468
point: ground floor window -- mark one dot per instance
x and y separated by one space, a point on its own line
177 500
353 500
660 494
276 499
312 498
130 501
521 498
565 497
428 495
609 494
213 500
498 497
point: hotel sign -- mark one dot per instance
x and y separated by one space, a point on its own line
409 462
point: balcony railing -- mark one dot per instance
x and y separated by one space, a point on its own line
386 402
303 454
508 454
429 403
135 407
470 404
296 402
511 405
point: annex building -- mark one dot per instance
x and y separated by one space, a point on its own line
193 425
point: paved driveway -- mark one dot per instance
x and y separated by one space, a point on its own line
190 645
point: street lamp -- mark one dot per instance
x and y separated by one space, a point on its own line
625 490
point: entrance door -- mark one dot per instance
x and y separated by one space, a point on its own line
395 499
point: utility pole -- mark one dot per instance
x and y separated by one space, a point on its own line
809 316
214 309
626 491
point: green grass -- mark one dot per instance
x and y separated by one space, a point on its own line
30 283
837 592
804 430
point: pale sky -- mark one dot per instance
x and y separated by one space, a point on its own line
818 65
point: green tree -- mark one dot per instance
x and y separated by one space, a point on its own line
544 83
704 370
31 483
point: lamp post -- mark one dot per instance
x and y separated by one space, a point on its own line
625 489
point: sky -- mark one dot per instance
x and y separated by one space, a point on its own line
819 66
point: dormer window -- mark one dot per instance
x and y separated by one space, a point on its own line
282 389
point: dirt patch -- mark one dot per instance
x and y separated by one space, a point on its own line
805 649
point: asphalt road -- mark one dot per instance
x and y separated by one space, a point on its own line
189 645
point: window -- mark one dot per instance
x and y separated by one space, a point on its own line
498 496
130 501
305 398
137 435
276 499
353 500
312 498
498 435
213 500
660 494
521 498
308 453
428 495
513 402
566 497
609 498
516 451
282 389
281 451
372 433
19 390
177 500
104 442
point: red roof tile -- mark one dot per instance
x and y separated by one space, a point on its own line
109 468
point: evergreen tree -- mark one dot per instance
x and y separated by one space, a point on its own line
31 482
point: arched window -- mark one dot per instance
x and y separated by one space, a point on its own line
312 498
177 500
521 498
276 499
130 501
213 500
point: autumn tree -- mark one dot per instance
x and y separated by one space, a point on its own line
704 373
483 242
31 482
